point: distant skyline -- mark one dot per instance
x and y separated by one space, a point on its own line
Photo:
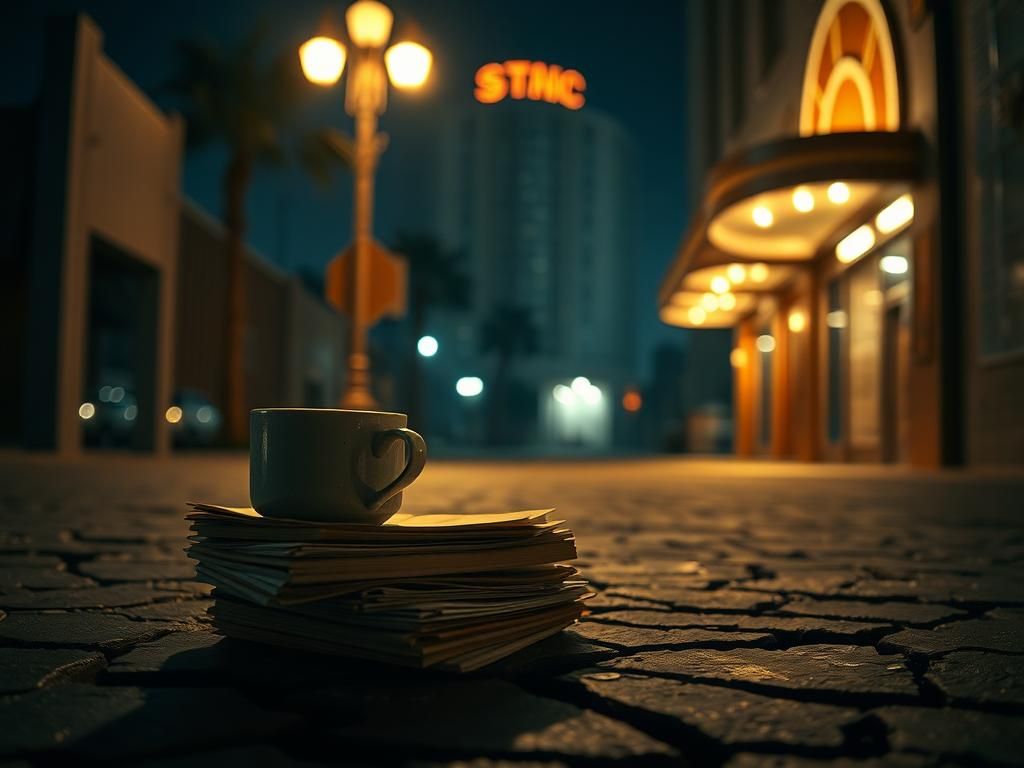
631 55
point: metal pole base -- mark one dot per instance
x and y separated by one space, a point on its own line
357 395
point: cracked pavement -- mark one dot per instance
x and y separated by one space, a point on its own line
748 614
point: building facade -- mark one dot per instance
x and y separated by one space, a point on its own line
113 311
856 225
539 199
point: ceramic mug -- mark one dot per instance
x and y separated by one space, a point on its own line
331 465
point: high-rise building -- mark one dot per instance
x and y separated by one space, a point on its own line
539 199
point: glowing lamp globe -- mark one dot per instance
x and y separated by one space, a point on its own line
369 23
323 60
408 64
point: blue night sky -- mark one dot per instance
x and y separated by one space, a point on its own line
632 55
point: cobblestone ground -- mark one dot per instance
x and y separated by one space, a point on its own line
749 614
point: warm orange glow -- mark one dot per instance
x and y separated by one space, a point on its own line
697 315
803 200
736 273
762 216
797 321
727 301
322 59
632 401
738 357
491 85
855 244
838 192
719 284
759 272
709 301
369 23
531 80
173 414
408 64
895 215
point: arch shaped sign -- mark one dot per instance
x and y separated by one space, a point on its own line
532 80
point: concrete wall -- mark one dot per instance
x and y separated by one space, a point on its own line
107 166
294 341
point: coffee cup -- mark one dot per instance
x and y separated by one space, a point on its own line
331 465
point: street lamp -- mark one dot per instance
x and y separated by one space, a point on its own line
407 65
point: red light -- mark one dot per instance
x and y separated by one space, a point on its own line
632 401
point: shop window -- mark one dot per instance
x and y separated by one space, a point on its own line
865 356
997 59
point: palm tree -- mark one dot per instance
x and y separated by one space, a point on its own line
248 101
509 331
436 280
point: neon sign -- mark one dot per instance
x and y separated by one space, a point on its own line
533 80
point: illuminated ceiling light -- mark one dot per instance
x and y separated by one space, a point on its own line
469 386
736 273
836 319
797 321
759 273
894 264
855 244
719 284
632 401
762 216
322 59
895 215
86 411
369 23
563 394
803 200
727 302
408 64
765 343
838 193
173 414
697 315
580 385
738 357
427 346
709 301
592 395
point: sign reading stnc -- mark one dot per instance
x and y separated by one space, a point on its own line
533 80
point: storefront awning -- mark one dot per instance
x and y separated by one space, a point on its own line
773 207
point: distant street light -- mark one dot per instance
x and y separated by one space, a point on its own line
469 386
407 64
427 346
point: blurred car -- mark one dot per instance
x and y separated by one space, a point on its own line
195 420
109 419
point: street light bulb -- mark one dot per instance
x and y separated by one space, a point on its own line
759 272
719 284
697 315
727 301
408 64
710 302
323 60
469 386
580 385
736 273
369 23
765 343
427 346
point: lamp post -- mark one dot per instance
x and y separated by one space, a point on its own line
406 64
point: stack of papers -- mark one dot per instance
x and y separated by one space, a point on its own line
457 591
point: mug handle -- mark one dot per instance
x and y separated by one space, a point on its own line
416 453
